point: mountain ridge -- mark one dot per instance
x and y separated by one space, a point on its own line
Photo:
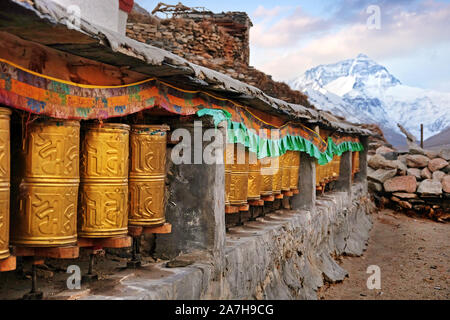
364 91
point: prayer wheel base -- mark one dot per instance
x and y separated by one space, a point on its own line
45 243
147 223
4 255
98 234
111 242
71 252
136 231
8 264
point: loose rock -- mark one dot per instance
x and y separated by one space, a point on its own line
417 161
381 175
379 162
437 164
446 184
431 154
383 149
426 174
445 154
405 195
438 175
414 172
401 183
430 187
374 186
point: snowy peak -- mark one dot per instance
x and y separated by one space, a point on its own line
362 89
347 75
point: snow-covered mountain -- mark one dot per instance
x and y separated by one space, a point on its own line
364 91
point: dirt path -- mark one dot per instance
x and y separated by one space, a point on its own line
413 255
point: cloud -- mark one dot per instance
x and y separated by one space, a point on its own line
404 30
286 31
262 12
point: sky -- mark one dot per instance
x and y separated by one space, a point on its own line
411 38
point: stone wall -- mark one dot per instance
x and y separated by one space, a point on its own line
216 41
285 255
418 181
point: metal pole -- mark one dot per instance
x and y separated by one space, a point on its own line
421 135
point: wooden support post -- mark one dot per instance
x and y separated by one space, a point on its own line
421 135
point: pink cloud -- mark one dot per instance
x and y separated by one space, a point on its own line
401 34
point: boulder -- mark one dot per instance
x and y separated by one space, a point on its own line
438 175
381 175
401 183
445 154
401 203
437 164
411 141
446 169
414 172
446 184
415 149
432 154
400 165
416 161
405 195
430 187
383 149
374 186
402 158
426 173
379 162
390 155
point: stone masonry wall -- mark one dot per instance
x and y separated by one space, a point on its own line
216 41
285 255
418 181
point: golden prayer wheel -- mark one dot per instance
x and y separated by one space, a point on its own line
254 177
294 168
277 175
266 177
147 175
336 164
319 174
103 207
236 185
355 162
5 174
285 166
48 192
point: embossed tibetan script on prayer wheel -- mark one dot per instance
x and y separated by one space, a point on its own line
254 177
336 164
285 168
4 181
294 168
147 175
237 165
277 176
267 176
103 207
48 190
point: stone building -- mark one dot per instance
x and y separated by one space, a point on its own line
57 75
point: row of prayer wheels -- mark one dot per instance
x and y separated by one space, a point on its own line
328 172
71 183
248 178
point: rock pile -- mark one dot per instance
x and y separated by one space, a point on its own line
418 180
